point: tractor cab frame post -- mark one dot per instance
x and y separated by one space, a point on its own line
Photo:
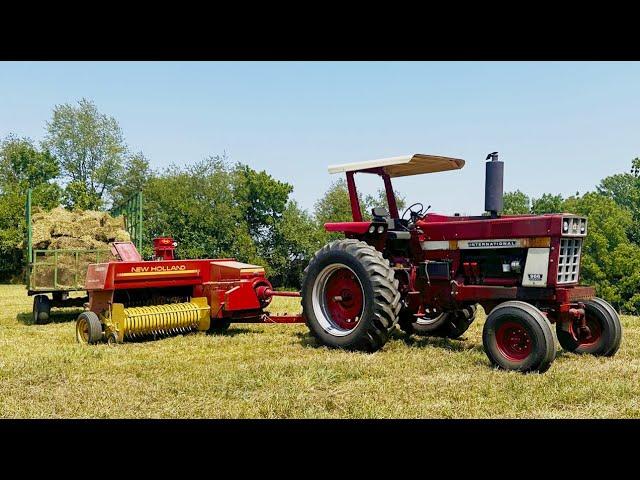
356 212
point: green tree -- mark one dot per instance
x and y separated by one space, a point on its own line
547 203
516 203
624 189
610 261
380 200
91 150
296 238
195 204
335 205
137 172
261 199
22 166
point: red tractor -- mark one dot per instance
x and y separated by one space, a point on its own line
427 272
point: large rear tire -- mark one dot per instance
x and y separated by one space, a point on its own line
517 336
350 296
41 310
604 326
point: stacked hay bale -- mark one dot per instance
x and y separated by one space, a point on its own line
72 240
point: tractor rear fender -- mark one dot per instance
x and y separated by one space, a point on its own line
356 228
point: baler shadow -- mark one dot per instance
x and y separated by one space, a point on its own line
231 332
150 338
65 316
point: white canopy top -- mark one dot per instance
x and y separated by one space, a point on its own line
404 165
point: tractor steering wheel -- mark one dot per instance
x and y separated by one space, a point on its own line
414 213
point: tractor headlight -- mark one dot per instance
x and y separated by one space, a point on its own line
380 229
372 228
565 226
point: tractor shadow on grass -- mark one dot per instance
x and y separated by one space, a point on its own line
56 316
457 345
307 340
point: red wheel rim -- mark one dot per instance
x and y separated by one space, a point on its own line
513 340
344 298
595 330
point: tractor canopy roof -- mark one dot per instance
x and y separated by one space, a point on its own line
402 166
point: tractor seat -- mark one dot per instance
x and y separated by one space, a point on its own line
396 228
381 214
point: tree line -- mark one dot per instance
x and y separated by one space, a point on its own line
218 208
213 207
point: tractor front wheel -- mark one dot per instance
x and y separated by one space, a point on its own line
517 336
604 335
350 296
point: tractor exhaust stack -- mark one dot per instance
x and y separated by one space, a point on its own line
493 187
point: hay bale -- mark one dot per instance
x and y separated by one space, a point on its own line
77 224
61 229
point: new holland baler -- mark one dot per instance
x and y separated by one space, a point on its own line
132 298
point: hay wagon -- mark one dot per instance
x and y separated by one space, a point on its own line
52 274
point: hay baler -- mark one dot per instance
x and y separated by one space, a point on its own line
427 272
132 298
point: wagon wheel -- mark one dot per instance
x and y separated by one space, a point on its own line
41 309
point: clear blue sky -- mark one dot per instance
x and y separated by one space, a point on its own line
559 126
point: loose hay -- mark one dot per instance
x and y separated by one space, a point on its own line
61 229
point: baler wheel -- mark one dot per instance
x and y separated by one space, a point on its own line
517 336
604 326
350 296
41 309
88 328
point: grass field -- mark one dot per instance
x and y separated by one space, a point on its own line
277 371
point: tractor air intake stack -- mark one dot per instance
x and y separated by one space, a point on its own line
493 201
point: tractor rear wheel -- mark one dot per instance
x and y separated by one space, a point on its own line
350 296
423 326
459 322
439 324
41 309
517 336
604 327
88 328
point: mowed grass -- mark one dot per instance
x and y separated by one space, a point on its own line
278 371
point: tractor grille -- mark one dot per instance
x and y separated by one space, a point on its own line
569 261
